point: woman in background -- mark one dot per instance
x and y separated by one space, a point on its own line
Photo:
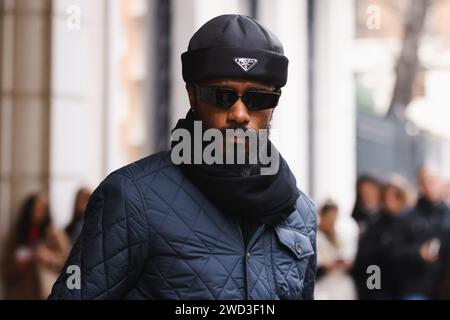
73 230
20 269
53 254
35 252
333 281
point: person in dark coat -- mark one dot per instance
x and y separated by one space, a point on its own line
161 228
367 204
422 240
376 244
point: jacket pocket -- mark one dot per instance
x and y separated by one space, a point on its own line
295 241
290 253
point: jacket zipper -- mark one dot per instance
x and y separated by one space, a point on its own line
257 233
245 259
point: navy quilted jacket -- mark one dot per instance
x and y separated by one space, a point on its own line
149 233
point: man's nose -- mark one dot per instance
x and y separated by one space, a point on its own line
239 113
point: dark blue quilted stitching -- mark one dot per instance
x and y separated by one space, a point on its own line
159 237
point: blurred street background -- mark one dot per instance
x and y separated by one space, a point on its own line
89 86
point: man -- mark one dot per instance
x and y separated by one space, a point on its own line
422 241
375 246
157 230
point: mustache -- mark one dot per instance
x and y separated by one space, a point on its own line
223 131
243 128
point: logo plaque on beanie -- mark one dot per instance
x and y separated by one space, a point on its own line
246 63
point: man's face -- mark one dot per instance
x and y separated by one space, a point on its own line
370 195
430 184
237 116
392 201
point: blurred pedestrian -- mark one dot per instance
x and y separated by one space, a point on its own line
422 238
368 191
20 270
333 281
73 229
375 245
34 253
50 256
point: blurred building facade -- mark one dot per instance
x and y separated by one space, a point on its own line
384 146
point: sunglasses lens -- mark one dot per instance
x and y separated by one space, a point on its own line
257 100
220 97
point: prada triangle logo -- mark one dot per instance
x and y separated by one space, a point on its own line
246 63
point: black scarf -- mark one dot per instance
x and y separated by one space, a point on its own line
240 189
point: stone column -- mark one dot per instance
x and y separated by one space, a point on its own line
79 109
288 20
25 104
334 145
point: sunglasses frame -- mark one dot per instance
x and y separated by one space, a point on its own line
200 95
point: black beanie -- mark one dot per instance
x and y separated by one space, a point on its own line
235 46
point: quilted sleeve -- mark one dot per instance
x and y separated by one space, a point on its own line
108 257
310 276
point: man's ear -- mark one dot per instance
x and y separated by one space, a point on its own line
191 94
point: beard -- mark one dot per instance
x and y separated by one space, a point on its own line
239 147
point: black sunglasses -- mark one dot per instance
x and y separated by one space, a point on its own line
224 98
